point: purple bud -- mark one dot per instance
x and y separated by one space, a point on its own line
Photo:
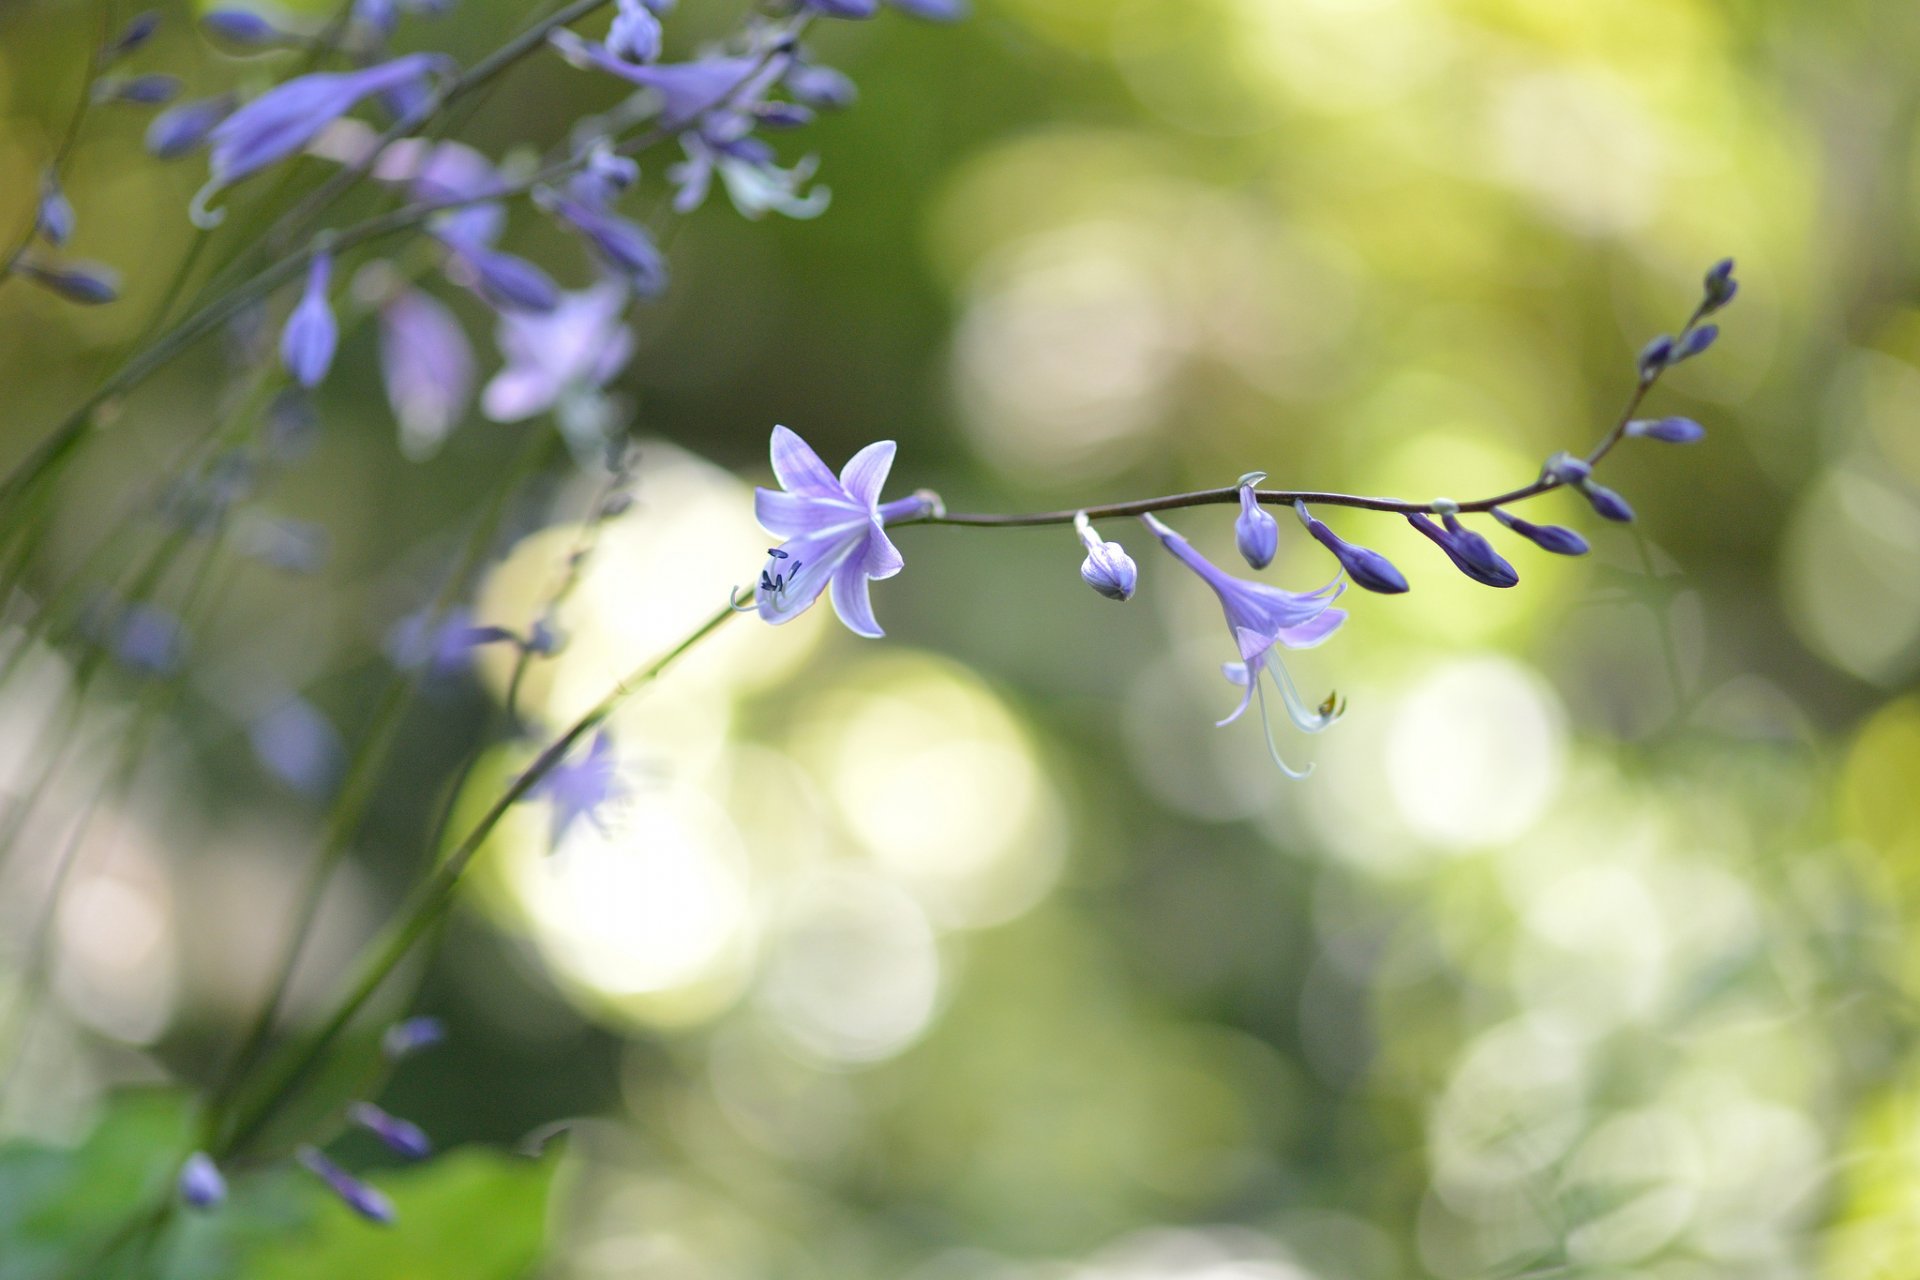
821 88
308 342
1108 568
1476 550
625 246
1368 568
297 745
379 15
139 91
89 284
933 10
1548 537
783 115
138 30
241 29
1566 469
178 130
1607 504
1255 532
357 1195
428 368
1654 357
1668 430
605 175
200 1183
149 640
1483 565
635 34
403 1039
54 219
402 1136
1694 341
1720 286
842 8
510 283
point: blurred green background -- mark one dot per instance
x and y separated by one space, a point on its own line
978 953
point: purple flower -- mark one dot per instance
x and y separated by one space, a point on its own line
287 117
1668 430
1654 357
686 90
54 218
635 34
1255 532
933 10
299 746
200 1184
242 29
746 167
1548 537
1108 568
308 342
1264 620
510 284
357 1195
408 1037
842 8
1367 568
1606 504
149 640
834 530
138 30
403 1137
179 130
1720 286
821 88
139 91
624 246
428 368
87 283
579 788
441 644
1470 552
561 360
1693 342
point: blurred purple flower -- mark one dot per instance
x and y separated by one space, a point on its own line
578 788
299 746
1108 569
1470 552
242 29
308 342
635 33
149 640
200 1183
403 1137
560 361
842 8
933 10
623 245
357 1195
53 220
87 283
443 645
410 1036
1667 430
821 88
179 130
1720 286
136 32
834 529
1263 620
755 184
138 91
686 90
427 364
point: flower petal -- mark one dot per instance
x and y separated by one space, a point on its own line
866 471
852 602
795 515
881 559
1311 633
799 469
818 557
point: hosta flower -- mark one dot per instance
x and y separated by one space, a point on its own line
580 788
834 529
560 361
355 1194
1263 621
427 366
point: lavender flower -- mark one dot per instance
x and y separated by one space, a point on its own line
87 283
685 90
1693 342
149 640
1108 568
1264 620
443 645
821 88
1654 357
406 1038
635 34
754 183
403 1137
137 91
510 284
561 361
1606 504
1367 568
1667 430
1471 553
1255 532
834 530
181 129
200 1183
53 220
299 746
842 8
1548 537
242 29
308 342
1720 286
623 245
138 30
427 365
580 788
287 117
357 1195
932 10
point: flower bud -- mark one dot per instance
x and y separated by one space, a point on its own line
1566 469
822 88
1479 561
1108 568
1548 537
1667 430
308 342
139 91
1255 532
200 1183
403 1137
179 130
241 29
1654 357
510 283
1720 286
635 34
54 218
1607 504
357 1195
1368 568
90 285
406 1038
1693 342
138 30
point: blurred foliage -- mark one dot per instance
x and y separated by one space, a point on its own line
979 953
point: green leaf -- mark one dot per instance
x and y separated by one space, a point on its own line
471 1214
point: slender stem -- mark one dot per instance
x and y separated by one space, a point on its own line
429 900
68 138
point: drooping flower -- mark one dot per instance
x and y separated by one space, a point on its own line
1255 532
933 10
1548 537
200 1183
87 283
580 788
427 365
180 129
1470 552
561 361
1263 621
312 335
822 88
355 1194
1667 430
1368 568
1693 342
287 117
1108 568
403 1137
622 244
635 34
834 529
442 644
137 91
